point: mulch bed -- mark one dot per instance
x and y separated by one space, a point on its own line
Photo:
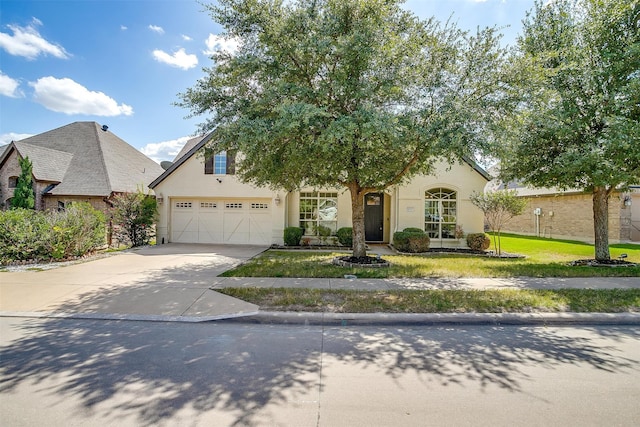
604 263
363 261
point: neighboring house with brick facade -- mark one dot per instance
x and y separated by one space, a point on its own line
569 215
82 161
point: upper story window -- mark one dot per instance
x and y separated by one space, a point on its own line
13 181
220 164
440 213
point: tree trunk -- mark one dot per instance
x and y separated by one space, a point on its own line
601 223
357 221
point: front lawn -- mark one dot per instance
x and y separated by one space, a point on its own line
441 301
544 258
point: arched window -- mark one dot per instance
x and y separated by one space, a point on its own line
440 213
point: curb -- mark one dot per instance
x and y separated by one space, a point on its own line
426 319
360 319
127 317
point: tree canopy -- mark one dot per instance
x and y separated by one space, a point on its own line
579 127
347 93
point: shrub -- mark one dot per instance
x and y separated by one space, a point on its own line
414 230
345 236
292 236
412 241
29 235
478 241
135 214
23 235
77 230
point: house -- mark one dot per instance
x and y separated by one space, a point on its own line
569 214
204 202
82 161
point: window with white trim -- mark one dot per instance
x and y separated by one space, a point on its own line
183 205
440 213
318 209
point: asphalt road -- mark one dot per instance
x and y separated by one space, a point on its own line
61 372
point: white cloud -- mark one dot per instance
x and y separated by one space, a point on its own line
179 58
166 150
186 38
124 27
27 42
67 96
9 86
6 138
156 29
216 43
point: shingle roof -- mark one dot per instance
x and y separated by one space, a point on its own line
95 162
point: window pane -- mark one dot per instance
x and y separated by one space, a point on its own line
220 163
440 213
318 209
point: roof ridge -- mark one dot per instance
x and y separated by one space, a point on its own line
101 151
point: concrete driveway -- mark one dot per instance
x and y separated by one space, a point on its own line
165 282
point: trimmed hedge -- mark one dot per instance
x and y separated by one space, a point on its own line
411 240
292 236
478 241
345 236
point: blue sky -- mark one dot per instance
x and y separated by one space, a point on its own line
123 62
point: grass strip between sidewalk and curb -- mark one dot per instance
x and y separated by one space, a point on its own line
440 301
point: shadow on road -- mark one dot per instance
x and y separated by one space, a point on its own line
154 370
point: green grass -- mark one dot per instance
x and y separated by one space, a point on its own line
441 301
544 258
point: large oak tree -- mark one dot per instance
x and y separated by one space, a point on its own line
354 94
580 126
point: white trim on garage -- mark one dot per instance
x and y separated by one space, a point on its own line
238 221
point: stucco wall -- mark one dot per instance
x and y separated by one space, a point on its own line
189 181
459 177
404 205
570 216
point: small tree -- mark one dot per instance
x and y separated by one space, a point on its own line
23 195
135 213
498 208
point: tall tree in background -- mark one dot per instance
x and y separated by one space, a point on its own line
580 126
23 195
353 94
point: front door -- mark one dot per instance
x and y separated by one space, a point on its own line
374 217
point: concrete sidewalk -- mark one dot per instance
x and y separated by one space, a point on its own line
178 282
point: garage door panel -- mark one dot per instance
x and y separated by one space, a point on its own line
184 228
236 227
209 226
240 221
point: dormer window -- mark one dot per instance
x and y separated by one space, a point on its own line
220 164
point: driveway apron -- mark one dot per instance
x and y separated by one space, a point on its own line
165 282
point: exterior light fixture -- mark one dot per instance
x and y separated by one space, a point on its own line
277 200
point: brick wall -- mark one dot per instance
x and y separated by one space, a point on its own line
570 216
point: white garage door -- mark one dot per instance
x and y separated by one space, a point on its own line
246 221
